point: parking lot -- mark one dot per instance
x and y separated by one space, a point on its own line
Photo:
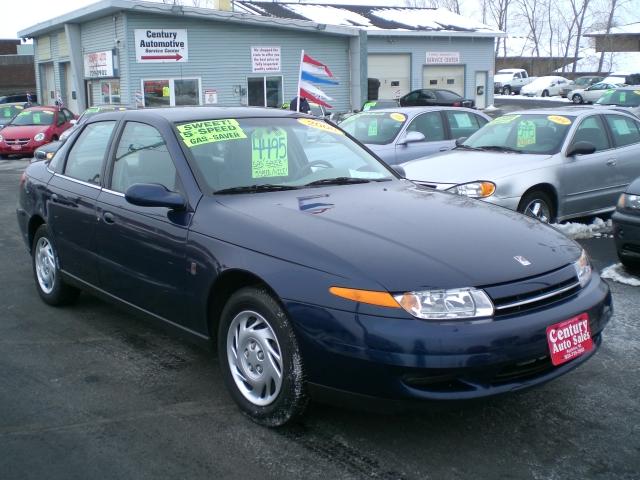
92 392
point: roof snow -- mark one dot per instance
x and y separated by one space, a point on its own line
630 29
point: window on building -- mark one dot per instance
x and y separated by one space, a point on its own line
171 92
264 91
110 91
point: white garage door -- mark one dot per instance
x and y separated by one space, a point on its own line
449 78
393 71
47 85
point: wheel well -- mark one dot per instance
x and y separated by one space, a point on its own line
226 285
34 224
542 187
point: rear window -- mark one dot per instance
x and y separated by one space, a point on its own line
379 128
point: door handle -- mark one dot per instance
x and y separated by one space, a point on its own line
611 162
444 149
109 217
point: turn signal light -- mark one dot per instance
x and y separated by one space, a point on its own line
381 299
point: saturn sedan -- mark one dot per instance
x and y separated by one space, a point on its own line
552 164
310 276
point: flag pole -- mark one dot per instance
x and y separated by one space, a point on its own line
299 77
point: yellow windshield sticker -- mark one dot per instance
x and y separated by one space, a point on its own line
559 119
373 128
208 131
526 134
269 156
398 117
320 125
504 119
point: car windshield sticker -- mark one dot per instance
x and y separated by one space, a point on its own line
504 119
373 128
93 110
621 127
398 117
526 134
559 119
269 153
36 118
320 125
208 131
6 112
463 120
623 97
368 105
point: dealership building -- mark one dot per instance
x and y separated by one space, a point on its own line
248 53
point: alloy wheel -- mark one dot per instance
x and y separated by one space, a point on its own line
539 209
45 265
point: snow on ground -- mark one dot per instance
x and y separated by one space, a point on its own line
576 231
617 273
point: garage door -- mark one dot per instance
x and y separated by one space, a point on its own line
393 71
449 78
47 84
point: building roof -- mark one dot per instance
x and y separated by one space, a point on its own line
383 21
630 29
110 7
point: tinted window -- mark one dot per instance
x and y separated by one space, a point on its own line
375 127
68 114
84 161
592 130
412 97
447 95
61 118
463 124
625 130
429 124
142 157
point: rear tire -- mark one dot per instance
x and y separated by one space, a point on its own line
506 90
538 204
577 99
46 271
632 266
260 359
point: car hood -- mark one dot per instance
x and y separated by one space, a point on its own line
461 166
391 234
503 77
23 131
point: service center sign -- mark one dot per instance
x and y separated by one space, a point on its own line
443 58
98 64
160 45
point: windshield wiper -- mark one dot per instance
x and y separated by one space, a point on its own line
500 148
342 181
267 187
466 147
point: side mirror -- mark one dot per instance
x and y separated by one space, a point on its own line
154 195
73 121
581 148
412 137
460 141
399 169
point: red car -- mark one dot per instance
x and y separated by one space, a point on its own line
32 128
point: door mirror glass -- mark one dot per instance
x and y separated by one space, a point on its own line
412 137
154 195
581 148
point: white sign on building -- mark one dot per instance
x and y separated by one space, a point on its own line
443 58
265 59
161 45
98 64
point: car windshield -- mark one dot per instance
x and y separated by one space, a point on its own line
33 117
262 154
523 133
447 95
7 112
621 98
378 128
92 111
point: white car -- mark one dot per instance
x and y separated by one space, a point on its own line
592 93
545 86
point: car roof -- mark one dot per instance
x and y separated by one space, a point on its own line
12 104
576 111
41 108
412 111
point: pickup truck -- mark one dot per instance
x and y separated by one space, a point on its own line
510 80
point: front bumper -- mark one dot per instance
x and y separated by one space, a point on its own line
399 359
26 149
626 233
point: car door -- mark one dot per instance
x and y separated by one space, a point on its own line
625 132
141 250
72 197
589 181
462 124
430 124
594 92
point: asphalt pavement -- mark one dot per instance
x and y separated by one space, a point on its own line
90 392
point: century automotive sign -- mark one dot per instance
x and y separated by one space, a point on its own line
98 64
161 45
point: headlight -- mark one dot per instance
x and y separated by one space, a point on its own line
629 202
39 137
454 304
480 189
50 155
583 268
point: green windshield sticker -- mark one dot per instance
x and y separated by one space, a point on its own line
504 119
269 153
526 134
368 106
373 128
463 120
621 127
6 112
36 118
208 131
623 97
93 109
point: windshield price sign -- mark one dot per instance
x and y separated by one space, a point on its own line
159 45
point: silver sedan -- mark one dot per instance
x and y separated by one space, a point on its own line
401 134
552 164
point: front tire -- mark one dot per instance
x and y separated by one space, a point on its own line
577 99
46 271
260 359
630 265
545 93
506 90
538 204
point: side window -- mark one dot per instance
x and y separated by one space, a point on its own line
463 124
84 161
61 118
429 124
592 130
68 114
142 157
625 130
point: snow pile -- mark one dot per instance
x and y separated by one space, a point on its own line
330 15
438 19
617 273
577 231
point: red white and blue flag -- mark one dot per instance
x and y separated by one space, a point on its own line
312 71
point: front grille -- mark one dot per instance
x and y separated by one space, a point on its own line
16 141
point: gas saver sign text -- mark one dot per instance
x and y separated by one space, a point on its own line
158 45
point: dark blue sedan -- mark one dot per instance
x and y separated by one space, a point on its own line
312 273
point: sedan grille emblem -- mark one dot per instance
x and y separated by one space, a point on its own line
522 260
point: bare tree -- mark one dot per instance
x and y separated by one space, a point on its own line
579 9
530 12
499 14
451 5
